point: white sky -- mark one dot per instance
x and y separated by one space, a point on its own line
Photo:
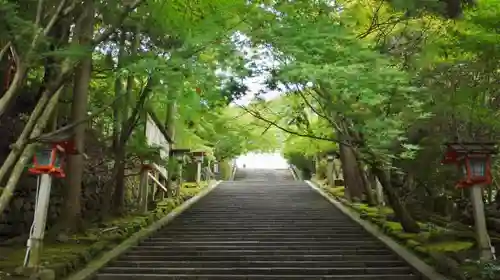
262 161
254 85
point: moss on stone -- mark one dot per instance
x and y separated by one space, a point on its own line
412 243
421 250
392 227
336 191
449 246
405 236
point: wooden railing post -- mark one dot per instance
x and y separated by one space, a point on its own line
143 190
161 194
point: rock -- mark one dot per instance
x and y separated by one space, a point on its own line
6 229
43 274
17 204
447 266
493 224
62 237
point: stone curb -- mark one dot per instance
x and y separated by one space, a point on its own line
414 261
93 266
295 172
233 173
290 168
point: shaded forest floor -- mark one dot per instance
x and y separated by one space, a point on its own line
452 253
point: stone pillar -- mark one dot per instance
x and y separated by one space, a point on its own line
483 240
216 167
198 171
330 165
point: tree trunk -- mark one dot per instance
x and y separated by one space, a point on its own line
108 197
170 124
120 152
119 172
402 214
121 115
72 210
352 177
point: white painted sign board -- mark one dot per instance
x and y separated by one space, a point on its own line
155 138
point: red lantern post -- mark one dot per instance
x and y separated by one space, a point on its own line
473 160
47 162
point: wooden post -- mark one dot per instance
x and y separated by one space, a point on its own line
180 178
198 171
483 240
330 165
161 194
35 242
144 191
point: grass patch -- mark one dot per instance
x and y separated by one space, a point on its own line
79 249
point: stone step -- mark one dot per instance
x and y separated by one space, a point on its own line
195 252
385 256
271 230
261 243
311 271
258 263
257 247
260 238
108 276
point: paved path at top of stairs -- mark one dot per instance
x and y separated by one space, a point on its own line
263 227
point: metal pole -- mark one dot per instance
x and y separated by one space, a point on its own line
35 242
476 196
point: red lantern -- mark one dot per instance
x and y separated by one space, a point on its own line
48 160
473 161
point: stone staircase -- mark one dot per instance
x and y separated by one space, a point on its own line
260 228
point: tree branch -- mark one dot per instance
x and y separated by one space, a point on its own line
63 132
259 116
39 12
134 117
51 24
4 49
159 124
128 9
